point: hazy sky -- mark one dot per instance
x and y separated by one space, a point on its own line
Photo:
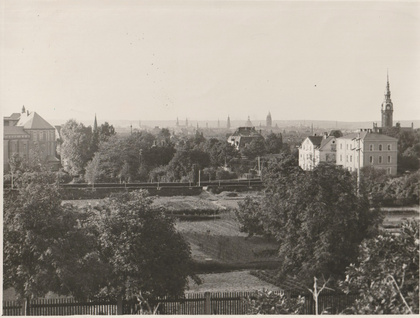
143 60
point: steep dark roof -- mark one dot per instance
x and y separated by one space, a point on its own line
34 121
246 132
316 140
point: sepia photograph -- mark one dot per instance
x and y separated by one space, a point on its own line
197 157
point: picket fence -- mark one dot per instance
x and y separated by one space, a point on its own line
228 303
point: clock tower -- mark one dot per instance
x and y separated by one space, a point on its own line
387 107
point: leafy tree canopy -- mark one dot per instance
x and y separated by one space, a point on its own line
386 274
141 247
45 248
316 217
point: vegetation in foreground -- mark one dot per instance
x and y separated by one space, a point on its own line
118 249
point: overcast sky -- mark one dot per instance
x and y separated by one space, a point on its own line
206 60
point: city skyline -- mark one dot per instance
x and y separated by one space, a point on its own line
206 60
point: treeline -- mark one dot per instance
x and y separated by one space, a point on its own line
103 156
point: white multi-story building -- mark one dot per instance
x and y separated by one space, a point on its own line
366 148
316 149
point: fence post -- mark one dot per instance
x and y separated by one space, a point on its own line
119 306
25 307
207 303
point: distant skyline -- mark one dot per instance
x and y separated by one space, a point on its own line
205 60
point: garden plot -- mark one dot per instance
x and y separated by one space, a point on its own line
237 281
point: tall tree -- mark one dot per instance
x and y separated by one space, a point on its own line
145 253
45 248
76 148
316 217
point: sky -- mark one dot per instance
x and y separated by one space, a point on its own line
205 60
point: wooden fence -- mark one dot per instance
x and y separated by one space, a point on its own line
230 303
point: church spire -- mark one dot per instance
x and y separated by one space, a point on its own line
95 124
387 108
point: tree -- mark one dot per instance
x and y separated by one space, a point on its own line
144 252
386 275
106 131
76 148
274 143
254 149
45 247
316 217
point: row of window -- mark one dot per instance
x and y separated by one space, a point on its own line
371 159
42 135
371 147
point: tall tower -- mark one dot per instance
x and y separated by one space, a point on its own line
387 107
228 122
268 121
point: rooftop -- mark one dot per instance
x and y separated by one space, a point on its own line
33 121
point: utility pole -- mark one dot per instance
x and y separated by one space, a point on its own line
358 151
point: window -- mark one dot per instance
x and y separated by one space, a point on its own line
389 170
389 159
347 158
341 157
380 159
347 145
370 159
370 147
351 158
380 147
389 147
341 145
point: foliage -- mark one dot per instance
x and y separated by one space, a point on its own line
383 189
249 217
386 275
316 217
105 131
269 303
140 245
128 158
255 148
274 143
45 247
76 148
408 147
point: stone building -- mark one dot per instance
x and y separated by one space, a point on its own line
367 148
316 149
27 133
243 136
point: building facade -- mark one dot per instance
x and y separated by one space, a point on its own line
28 133
367 148
316 149
243 136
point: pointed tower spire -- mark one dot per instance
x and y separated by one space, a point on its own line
23 109
387 108
95 124
228 122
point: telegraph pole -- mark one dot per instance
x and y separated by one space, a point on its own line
358 150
